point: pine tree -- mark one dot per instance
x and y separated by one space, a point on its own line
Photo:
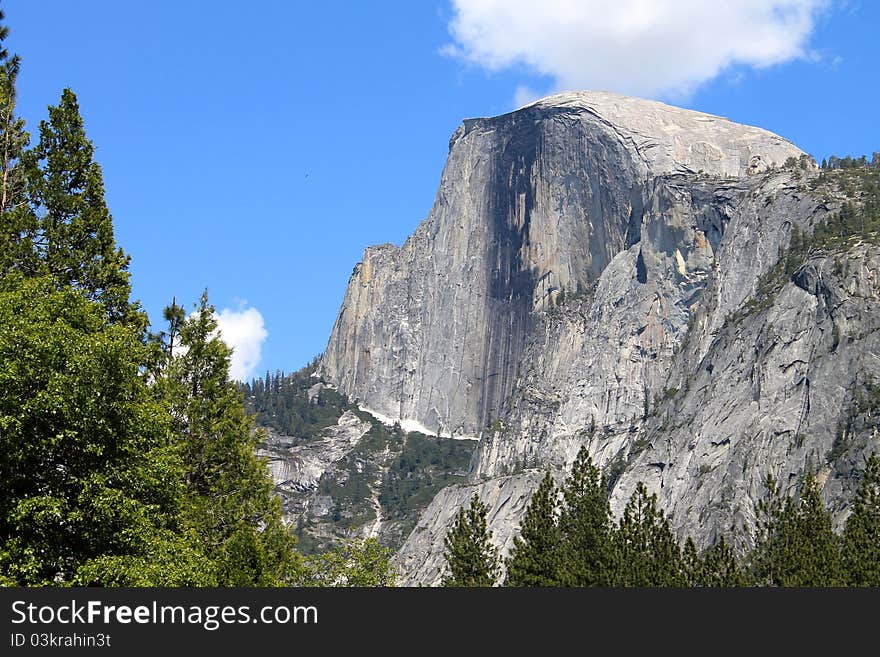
533 558
861 536
92 477
17 221
647 552
769 515
74 237
823 566
694 567
794 543
471 558
175 316
717 567
585 553
233 508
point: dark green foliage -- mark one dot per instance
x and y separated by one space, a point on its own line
357 562
425 465
402 471
863 410
581 546
585 552
534 557
471 558
859 214
351 482
352 495
867 398
17 221
857 219
231 505
850 162
861 536
175 316
646 550
613 471
74 238
281 401
722 568
91 472
794 542
802 163
126 459
692 564
718 566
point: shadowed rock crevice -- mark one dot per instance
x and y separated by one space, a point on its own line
593 273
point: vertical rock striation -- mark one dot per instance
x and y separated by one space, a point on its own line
589 275
530 203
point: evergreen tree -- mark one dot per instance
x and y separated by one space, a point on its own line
647 552
861 536
769 515
74 237
722 568
533 558
585 553
232 505
17 221
121 465
794 543
92 477
358 562
471 559
821 555
717 567
175 316
694 568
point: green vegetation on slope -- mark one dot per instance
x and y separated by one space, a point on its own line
856 189
281 402
424 466
390 471
570 540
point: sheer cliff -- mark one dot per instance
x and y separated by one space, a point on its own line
604 270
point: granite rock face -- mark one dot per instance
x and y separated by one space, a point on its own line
530 203
355 477
592 273
297 469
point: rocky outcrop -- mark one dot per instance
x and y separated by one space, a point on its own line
530 203
599 270
297 469
506 498
356 477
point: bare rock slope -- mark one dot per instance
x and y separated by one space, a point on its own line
594 272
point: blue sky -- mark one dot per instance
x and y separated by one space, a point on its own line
256 148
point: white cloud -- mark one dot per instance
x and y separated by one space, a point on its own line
244 333
648 48
525 95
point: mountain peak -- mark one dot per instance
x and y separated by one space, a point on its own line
670 139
